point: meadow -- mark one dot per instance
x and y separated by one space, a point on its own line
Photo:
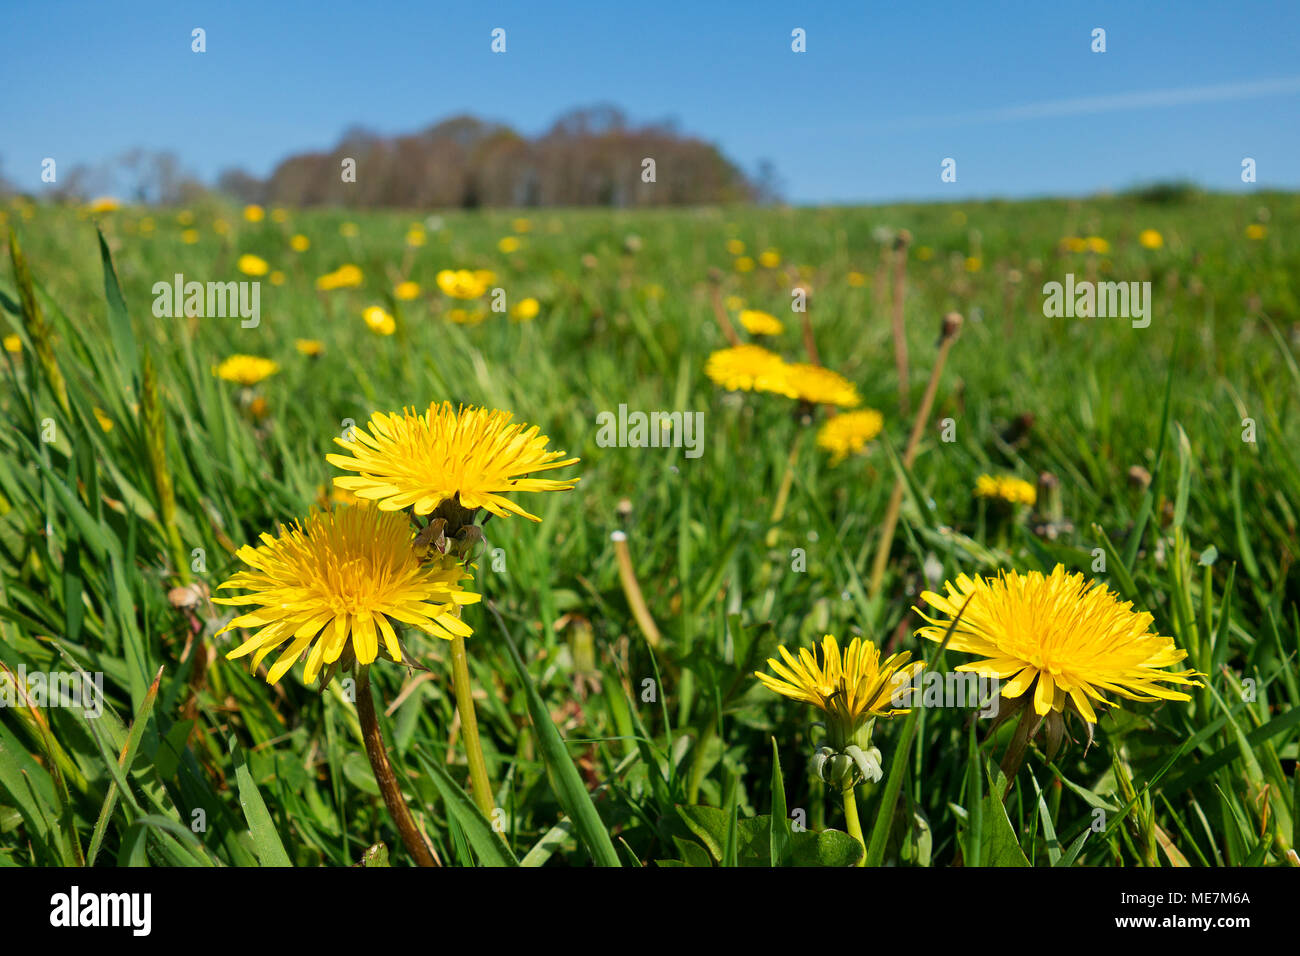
613 656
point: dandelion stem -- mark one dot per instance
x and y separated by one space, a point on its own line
632 590
850 795
478 775
720 313
951 325
384 776
900 329
1014 758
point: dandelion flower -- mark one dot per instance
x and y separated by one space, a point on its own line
821 386
251 265
509 244
1097 244
1256 231
104 204
379 321
520 225
769 259
734 302
299 243
856 280
279 214
246 370
276 278
461 283
189 236
525 309
851 687
13 344
849 433
1151 239
749 367
1014 491
415 237
254 213
334 583
760 323
466 317
744 264
1060 634
312 348
349 230
344 277
406 291
474 454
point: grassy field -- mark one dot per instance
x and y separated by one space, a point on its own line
130 472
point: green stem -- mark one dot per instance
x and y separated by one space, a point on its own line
478 775
851 820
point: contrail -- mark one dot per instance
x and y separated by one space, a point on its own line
1113 103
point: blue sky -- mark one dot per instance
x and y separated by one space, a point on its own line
883 94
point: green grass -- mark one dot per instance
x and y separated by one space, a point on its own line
88 553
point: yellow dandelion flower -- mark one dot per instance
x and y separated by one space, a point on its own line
749 367
246 370
13 344
406 291
1151 239
416 237
344 277
334 584
349 230
1074 244
466 316
850 687
254 213
279 214
744 264
1012 490
471 455
857 280
973 264
520 225
525 309
251 265
820 386
146 225
1256 231
769 259
276 277
379 321
185 218
1062 635
299 243
104 204
461 283
220 227
735 247
509 244
849 432
734 302
1097 244
312 348
190 236
760 323
924 253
